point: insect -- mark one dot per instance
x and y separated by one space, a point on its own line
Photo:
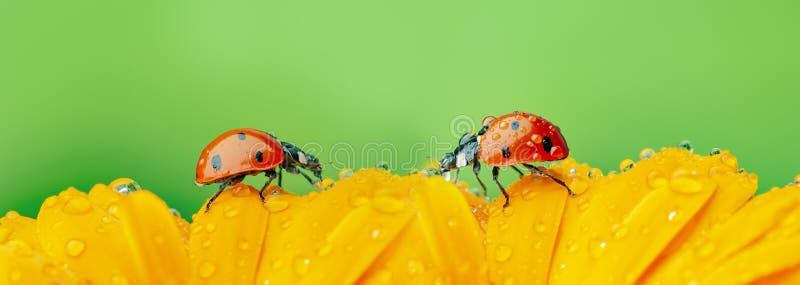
510 140
241 152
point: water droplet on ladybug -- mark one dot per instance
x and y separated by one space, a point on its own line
216 162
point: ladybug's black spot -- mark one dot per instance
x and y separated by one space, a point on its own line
259 156
547 144
241 136
506 153
216 162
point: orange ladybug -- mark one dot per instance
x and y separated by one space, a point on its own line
240 152
509 140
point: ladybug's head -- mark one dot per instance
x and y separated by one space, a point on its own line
553 145
447 163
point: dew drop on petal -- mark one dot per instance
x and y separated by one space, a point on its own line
705 250
626 165
301 265
287 223
686 145
508 211
207 269
646 153
174 212
619 230
715 151
210 227
231 213
77 205
583 204
415 267
508 281
673 216
382 165
345 173
244 245
276 205
597 247
325 249
656 180
540 227
502 253
125 185
74 247
376 233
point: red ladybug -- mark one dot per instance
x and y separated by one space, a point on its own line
512 139
241 152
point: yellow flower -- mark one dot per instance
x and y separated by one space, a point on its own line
673 218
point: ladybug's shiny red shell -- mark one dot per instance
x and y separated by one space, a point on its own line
238 152
521 138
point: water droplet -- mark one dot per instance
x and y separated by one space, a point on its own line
244 245
502 253
626 165
388 204
715 151
594 173
646 153
345 173
77 205
125 185
504 226
158 239
301 265
537 139
74 248
597 247
572 246
382 165
50 202
207 269
496 136
682 182
415 267
619 231
207 243
797 179
503 125
241 191
573 171
325 249
686 145
376 233
673 216
231 213
656 180
276 205
119 280
540 227
583 204
508 281
277 264
451 224
174 212
286 224
210 227
196 228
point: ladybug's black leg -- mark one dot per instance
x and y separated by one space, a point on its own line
310 180
538 171
271 176
476 169
518 171
495 172
280 177
222 187
455 177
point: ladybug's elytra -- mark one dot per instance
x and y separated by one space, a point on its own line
510 140
241 152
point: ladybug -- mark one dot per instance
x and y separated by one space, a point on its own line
240 152
510 140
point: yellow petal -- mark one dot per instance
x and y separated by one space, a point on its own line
753 222
520 239
14 227
226 242
20 265
757 261
137 230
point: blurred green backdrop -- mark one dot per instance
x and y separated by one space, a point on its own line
95 90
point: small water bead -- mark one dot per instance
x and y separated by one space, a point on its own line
210 227
388 204
325 249
705 250
508 211
301 265
231 213
508 281
243 245
626 165
207 243
276 205
50 202
119 280
619 231
277 264
656 180
715 151
287 223
207 269
125 185
382 165
502 253
540 227
376 233
573 171
797 179
174 212
74 248
77 205
673 216
583 204
686 145
646 153
597 247
415 267
503 125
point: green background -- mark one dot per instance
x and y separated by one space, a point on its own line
95 90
